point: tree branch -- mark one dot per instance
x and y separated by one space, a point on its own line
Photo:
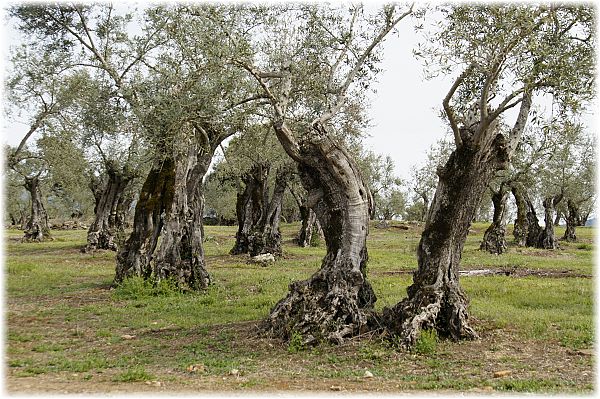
359 63
448 109
516 132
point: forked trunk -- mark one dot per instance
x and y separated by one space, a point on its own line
107 220
258 215
154 201
337 301
37 228
435 299
181 254
494 238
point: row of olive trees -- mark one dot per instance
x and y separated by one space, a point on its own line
190 77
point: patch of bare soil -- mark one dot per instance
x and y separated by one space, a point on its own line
505 271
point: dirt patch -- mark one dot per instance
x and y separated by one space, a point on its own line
507 271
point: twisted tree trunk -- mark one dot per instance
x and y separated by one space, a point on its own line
37 228
574 218
337 301
546 239
494 238
266 236
526 227
250 206
309 222
155 199
108 211
181 252
435 299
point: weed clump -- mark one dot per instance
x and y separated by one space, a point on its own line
134 375
296 343
427 342
139 288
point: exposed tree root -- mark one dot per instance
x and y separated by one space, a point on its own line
331 305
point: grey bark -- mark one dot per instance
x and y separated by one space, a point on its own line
527 229
494 238
109 218
181 253
435 299
547 239
155 199
258 213
37 228
337 301
250 206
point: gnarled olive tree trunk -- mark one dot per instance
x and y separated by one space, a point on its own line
266 236
250 206
547 239
180 255
108 219
573 219
337 301
155 199
435 299
310 226
526 227
258 215
37 228
494 238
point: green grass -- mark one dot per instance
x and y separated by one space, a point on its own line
134 375
62 318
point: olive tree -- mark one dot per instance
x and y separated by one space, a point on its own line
507 57
309 63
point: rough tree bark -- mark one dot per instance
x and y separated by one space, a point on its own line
181 252
309 227
37 228
266 236
574 217
435 299
526 227
547 239
494 238
155 198
309 223
250 206
258 215
108 219
337 301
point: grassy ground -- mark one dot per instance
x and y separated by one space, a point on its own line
67 331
